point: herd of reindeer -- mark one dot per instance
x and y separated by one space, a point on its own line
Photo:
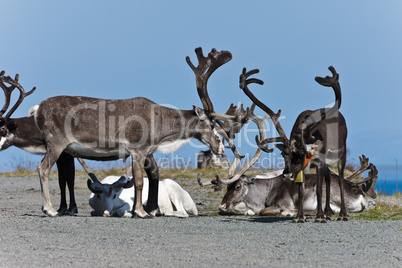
67 127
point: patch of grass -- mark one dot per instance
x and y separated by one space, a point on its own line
381 211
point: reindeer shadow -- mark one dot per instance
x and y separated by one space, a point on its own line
258 219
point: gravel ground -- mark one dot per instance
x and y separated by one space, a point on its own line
30 239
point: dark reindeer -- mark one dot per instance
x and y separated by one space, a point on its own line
96 129
30 139
23 133
317 140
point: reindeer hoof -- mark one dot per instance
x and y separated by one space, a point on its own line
143 216
51 212
71 211
299 221
62 211
343 219
320 220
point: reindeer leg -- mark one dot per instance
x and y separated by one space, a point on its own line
44 169
70 171
343 215
152 170
270 211
300 212
66 172
137 165
61 169
327 210
320 177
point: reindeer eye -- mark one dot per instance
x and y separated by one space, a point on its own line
114 197
98 196
237 187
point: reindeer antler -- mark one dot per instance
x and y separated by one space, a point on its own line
206 66
260 122
8 91
237 117
274 116
234 118
368 186
364 165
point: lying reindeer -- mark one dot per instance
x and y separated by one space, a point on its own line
268 194
114 196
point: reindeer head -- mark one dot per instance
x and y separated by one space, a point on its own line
206 132
297 154
7 125
234 197
209 121
7 133
105 195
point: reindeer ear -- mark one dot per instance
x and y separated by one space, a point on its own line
200 113
12 125
122 182
129 184
249 180
2 122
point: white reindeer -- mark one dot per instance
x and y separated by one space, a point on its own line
114 196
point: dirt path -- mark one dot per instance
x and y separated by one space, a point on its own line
30 239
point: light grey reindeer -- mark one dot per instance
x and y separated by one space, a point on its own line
94 128
268 194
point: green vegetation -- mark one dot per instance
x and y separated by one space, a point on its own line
381 211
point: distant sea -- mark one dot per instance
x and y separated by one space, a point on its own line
389 180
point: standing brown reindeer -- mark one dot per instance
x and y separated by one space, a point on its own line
94 128
23 133
317 140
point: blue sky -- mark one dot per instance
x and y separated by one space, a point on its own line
124 49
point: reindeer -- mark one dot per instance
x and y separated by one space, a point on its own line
94 128
268 194
114 196
23 133
317 140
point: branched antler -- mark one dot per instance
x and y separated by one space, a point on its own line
8 91
260 122
364 165
244 81
206 66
